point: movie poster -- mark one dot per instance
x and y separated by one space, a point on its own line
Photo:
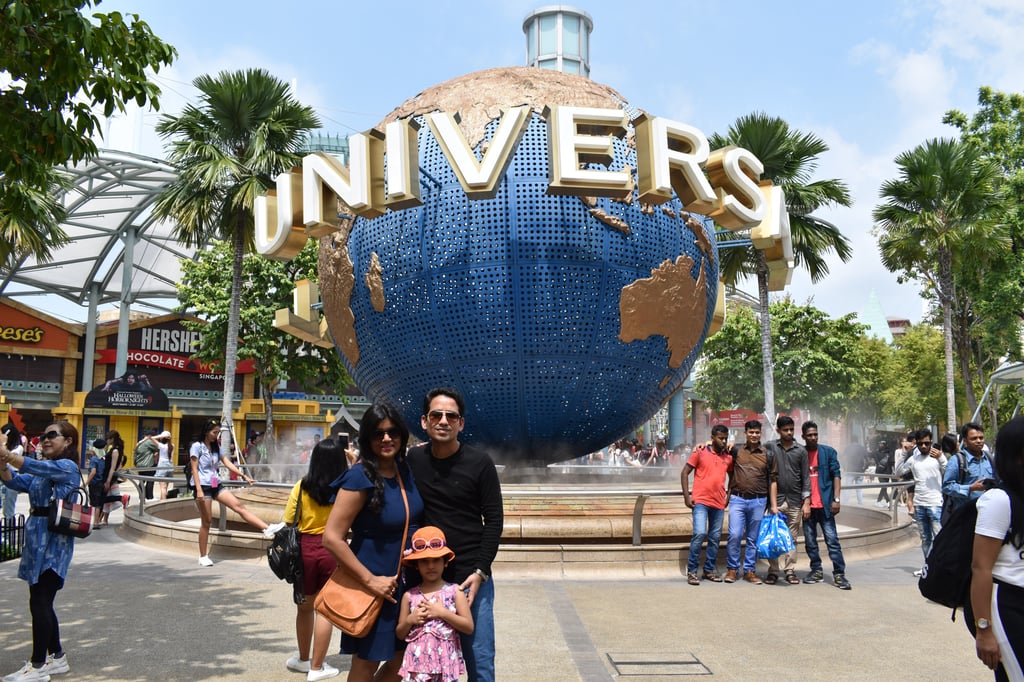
131 391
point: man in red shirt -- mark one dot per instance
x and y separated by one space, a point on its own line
711 463
826 484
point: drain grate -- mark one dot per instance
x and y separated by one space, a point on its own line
662 665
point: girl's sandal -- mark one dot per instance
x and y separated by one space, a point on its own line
771 579
791 578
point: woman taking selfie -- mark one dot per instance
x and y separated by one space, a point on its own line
46 557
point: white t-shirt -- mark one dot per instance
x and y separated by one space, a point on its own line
164 458
928 473
994 522
208 462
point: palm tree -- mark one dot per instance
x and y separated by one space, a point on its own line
943 202
246 130
789 158
31 214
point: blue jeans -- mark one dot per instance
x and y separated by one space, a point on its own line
744 520
10 499
828 529
707 525
478 648
929 521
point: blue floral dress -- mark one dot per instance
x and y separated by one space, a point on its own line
43 479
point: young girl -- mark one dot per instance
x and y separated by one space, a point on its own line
432 614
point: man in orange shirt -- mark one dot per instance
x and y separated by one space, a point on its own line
711 463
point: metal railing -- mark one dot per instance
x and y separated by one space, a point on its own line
640 497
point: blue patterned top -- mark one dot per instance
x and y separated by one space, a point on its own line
44 550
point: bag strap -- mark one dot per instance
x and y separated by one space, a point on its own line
298 506
70 497
405 532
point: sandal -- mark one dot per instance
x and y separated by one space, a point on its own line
771 579
791 578
713 577
692 579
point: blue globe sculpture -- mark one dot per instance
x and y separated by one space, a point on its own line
564 321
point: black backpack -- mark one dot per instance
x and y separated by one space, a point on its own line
946 576
284 555
190 484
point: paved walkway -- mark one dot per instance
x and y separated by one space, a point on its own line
130 612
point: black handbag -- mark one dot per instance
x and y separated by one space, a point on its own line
284 555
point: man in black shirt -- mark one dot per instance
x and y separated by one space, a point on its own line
462 496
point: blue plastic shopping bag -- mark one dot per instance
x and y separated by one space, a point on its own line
773 538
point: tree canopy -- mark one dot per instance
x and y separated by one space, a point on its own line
61 70
205 290
246 129
790 158
819 361
942 208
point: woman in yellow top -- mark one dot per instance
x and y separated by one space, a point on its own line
327 462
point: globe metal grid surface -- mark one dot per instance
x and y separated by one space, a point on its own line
515 302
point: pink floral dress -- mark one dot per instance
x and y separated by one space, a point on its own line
434 651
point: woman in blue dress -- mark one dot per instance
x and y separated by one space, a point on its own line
370 504
46 557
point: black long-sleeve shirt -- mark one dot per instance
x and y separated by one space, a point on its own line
462 497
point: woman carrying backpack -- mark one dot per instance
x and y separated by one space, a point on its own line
308 507
997 567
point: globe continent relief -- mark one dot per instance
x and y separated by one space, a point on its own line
565 321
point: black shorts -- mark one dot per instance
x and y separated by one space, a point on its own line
96 495
211 492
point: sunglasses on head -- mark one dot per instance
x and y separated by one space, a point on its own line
419 544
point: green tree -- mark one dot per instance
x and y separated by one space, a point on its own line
995 279
63 68
246 130
942 204
874 357
821 361
205 290
790 159
913 393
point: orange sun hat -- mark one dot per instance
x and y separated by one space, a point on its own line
428 542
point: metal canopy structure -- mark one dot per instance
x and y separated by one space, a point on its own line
117 252
109 223
1008 374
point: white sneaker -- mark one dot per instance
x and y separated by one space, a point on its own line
322 674
28 673
57 665
296 664
272 529
205 561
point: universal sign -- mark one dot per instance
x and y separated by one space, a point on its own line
673 159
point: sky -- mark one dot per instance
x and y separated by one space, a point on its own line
872 78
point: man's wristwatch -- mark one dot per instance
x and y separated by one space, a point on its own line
836 501
983 623
483 575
